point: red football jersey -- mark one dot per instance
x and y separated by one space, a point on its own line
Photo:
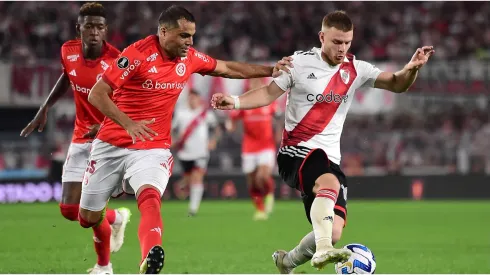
83 75
147 85
258 132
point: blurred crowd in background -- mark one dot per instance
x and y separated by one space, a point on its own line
261 30
448 137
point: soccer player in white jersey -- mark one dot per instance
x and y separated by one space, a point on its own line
194 124
321 84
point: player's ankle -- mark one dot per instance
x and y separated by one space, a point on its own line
324 244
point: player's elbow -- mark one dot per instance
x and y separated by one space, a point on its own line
92 96
97 92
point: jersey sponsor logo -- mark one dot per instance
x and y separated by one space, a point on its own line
201 56
123 62
327 98
104 65
150 85
129 68
180 69
77 88
152 57
73 57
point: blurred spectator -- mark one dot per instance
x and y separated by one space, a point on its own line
261 30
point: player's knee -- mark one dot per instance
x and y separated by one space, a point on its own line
89 218
149 198
196 176
326 181
69 211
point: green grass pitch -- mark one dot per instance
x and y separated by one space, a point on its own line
405 236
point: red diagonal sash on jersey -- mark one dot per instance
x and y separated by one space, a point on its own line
321 113
190 128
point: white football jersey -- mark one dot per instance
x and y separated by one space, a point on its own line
196 144
318 98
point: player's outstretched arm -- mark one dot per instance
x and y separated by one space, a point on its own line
256 98
39 121
239 70
401 81
99 97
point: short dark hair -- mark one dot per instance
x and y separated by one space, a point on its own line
92 9
339 20
173 14
194 92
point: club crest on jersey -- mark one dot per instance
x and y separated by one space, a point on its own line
123 62
73 57
180 69
345 76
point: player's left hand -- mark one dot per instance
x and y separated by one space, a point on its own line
282 65
420 57
221 101
93 129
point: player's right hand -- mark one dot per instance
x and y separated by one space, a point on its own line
140 130
282 65
221 101
38 122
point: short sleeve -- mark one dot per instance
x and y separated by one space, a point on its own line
123 68
202 63
368 73
285 80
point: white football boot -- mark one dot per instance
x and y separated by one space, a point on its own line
117 232
330 255
278 258
97 269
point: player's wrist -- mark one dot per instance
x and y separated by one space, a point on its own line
236 100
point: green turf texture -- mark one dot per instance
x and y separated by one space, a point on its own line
405 236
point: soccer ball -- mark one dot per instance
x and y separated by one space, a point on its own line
362 261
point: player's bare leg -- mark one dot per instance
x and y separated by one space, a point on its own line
257 195
326 189
70 204
150 230
264 178
303 252
102 238
196 190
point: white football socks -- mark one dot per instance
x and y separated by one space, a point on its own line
302 253
322 215
196 192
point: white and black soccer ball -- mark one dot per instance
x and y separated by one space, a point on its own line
362 261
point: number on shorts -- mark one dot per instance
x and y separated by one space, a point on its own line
91 167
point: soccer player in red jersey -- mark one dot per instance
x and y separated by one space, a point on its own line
83 60
258 152
132 147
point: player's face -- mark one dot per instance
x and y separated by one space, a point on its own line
194 100
177 41
93 30
335 43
